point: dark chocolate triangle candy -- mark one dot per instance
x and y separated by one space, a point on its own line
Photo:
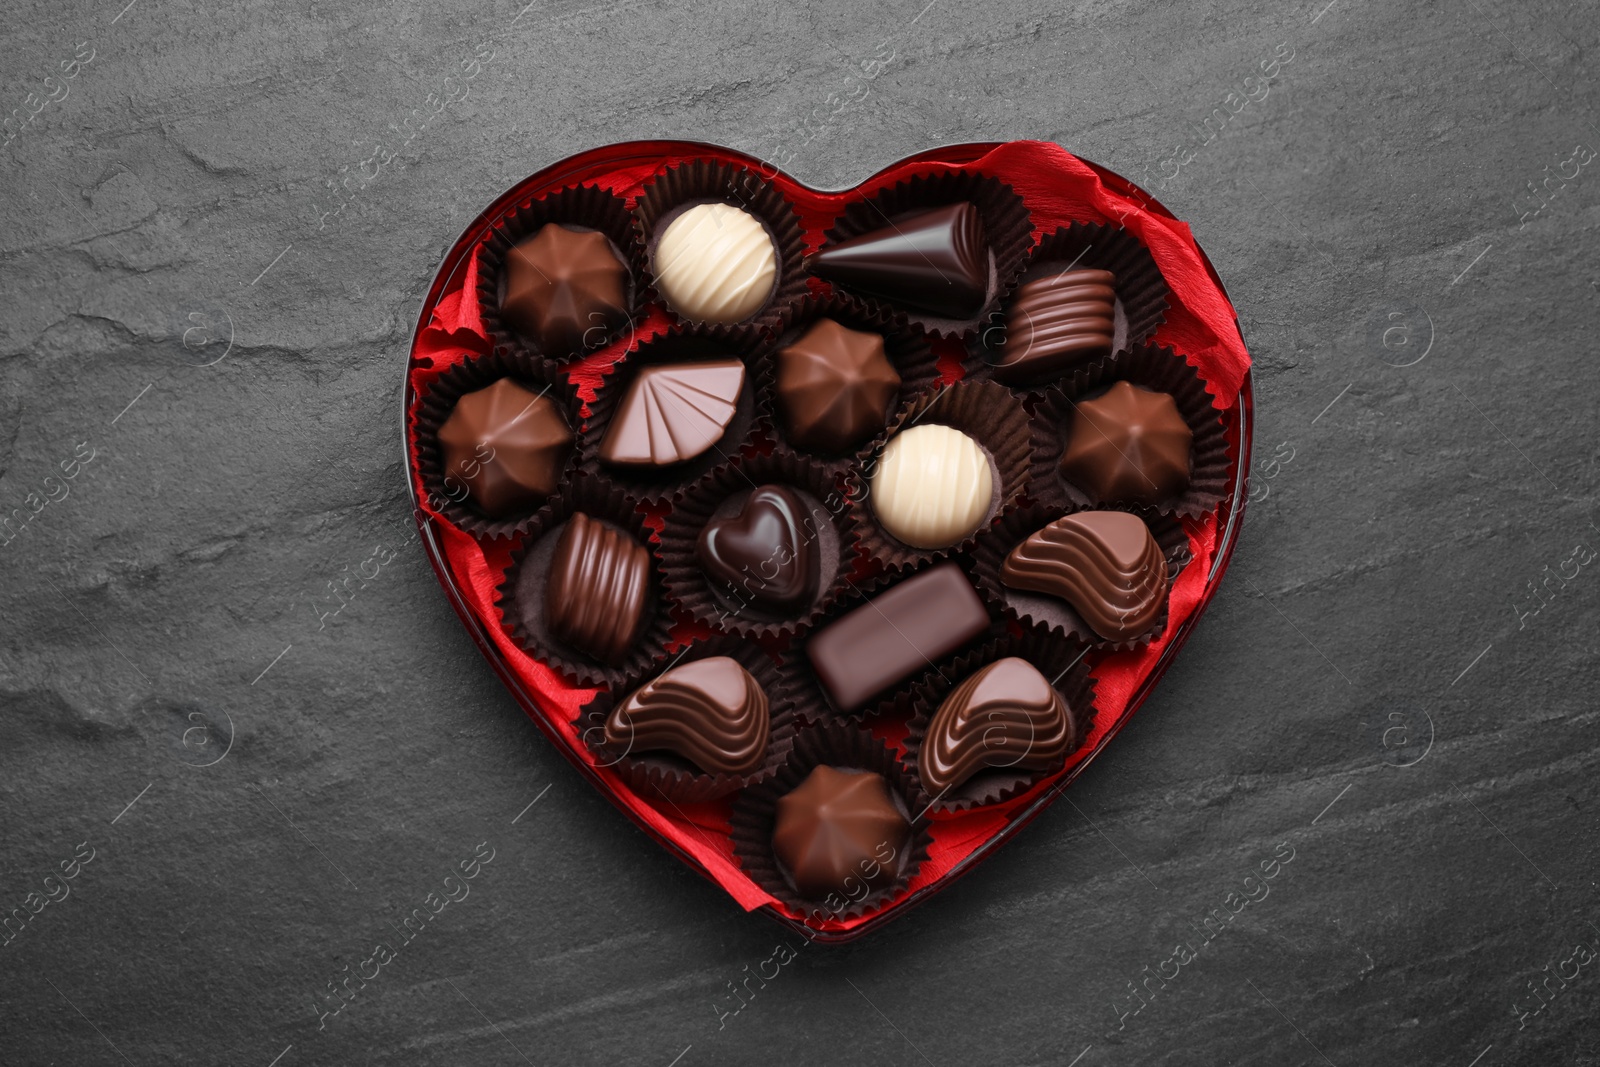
936 261
763 554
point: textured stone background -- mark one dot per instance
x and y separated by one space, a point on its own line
1377 688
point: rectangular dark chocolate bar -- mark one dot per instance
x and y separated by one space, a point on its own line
900 632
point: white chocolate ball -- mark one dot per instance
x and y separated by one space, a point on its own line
933 486
715 263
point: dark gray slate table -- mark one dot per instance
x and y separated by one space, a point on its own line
1391 703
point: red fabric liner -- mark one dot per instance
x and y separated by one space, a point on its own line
1059 189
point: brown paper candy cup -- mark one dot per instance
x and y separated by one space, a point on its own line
721 494
755 816
446 492
1062 660
987 413
1006 225
655 484
906 349
521 593
1152 367
1052 615
1141 300
685 185
672 778
581 207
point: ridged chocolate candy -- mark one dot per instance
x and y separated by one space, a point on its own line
840 831
564 289
1106 564
673 413
834 387
936 261
598 588
1128 444
716 263
1055 323
709 711
507 445
1007 715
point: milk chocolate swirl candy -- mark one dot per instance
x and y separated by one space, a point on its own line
763 554
933 486
1106 564
1055 323
564 288
598 589
710 711
673 413
936 261
507 445
715 263
1128 444
1007 715
839 830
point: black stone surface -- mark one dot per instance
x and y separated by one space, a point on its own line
270 786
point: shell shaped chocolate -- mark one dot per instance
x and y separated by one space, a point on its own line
933 487
598 589
673 413
1057 322
1106 564
710 711
1006 715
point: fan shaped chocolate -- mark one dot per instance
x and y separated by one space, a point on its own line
1105 564
1057 322
835 386
672 413
840 831
764 554
507 445
935 261
1128 444
564 288
710 711
1006 716
598 589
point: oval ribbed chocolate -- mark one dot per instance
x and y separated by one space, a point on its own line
709 711
1057 322
1105 564
1005 715
598 588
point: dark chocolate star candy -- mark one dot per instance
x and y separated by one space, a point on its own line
763 553
936 261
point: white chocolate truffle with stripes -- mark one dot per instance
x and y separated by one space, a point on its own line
715 263
933 488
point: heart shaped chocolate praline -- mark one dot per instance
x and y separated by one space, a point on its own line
762 554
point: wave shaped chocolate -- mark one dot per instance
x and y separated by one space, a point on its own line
711 712
1007 715
1056 323
839 830
598 588
936 261
564 289
1128 444
764 554
673 413
1106 564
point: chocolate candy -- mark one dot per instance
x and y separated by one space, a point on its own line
564 289
764 555
710 711
1056 322
672 413
1106 564
841 832
507 445
1007 715
936 261
934 486
598 589
715 263
897 633
1129 444
834 387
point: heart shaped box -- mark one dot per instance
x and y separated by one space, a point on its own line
1059 189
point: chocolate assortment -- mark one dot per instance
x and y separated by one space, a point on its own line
783 529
